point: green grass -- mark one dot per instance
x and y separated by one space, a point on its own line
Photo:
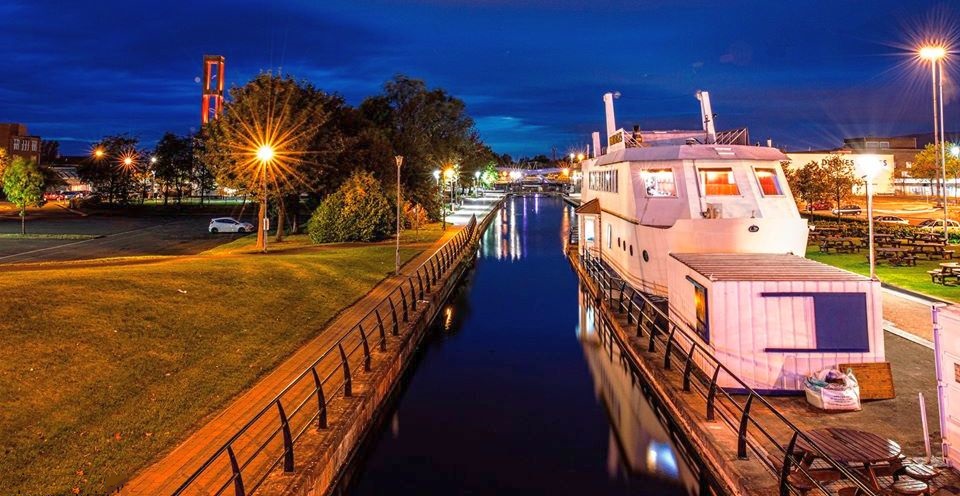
912 278
106 365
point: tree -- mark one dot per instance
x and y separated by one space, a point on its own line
489 175
808 183
262 142
926 165
358 211
174 166
23 185
839 178
113 167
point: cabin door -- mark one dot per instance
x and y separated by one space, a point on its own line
589 230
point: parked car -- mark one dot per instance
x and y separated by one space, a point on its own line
937 225
847 210
890 219
229 224
819 205
52 196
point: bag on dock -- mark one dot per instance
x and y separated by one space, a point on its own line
831 389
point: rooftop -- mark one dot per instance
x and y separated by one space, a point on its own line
692 152
762 267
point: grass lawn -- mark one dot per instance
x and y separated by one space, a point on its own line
106 364
912 278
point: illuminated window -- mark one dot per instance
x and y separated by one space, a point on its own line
659 182
768 182
718 182
700 305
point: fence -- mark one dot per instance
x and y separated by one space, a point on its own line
700 371
270 437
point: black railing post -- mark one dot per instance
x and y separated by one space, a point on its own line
742 432
433 267
669 350
287 438
420 280
688 367
383 333
403 300
237 476
413 295
321 401
347 382
366 348
712 395
653 335
393 313
623 287
787 462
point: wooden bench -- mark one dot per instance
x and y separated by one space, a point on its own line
939 276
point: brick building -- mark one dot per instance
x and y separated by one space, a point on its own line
18 143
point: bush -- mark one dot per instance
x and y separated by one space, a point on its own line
358 211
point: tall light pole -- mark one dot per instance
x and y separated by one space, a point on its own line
443 211
476 183
870 166
935 54
399 159
265 155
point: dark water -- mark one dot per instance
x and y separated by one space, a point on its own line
514 392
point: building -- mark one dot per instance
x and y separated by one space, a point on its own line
18 143
66 167
883 181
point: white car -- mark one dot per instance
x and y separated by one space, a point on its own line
890 219
937 225
229 224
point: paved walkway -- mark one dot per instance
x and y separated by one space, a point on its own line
166 474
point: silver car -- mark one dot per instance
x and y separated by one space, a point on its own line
229 224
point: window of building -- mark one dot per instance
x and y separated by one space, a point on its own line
840 322
604 181
589 233
718 182
769 184
659 182
884 144
700 305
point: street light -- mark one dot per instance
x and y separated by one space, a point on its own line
955 150
443 210
265 155
935 55
476 183
870 166
399 159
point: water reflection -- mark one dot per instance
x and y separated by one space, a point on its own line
639 441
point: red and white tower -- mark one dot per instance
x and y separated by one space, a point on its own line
213 66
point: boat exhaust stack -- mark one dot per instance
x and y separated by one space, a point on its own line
608 108
596 144
707 116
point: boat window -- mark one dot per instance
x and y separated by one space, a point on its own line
604 180
609 236
769 183
700 305
659 182
718 182
588 230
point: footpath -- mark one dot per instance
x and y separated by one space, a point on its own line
166 474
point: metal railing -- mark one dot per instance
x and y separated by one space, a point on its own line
269 438
700 371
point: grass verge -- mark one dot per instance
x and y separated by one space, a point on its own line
912 278
103 367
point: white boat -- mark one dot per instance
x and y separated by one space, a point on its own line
714 229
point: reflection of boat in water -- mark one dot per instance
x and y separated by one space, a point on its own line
640 441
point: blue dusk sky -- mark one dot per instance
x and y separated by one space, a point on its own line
532 72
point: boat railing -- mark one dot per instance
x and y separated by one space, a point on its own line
758 425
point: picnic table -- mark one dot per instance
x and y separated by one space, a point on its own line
839 244
931 250
896 255
947 270
864 452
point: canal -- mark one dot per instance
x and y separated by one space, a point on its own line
515 392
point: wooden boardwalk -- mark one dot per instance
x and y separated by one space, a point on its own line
165 475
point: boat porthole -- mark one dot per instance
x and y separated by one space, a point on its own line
631 250
624 246
646 256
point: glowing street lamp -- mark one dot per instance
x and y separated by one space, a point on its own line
476 183
955 150
265 155
443 209
870 166
98 153
935 55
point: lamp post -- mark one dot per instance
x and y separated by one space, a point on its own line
476 183
443 211
935 55
870 167
399 159
265 155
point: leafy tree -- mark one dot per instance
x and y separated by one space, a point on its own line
807 183
23 185
839 178
174 166
4 159
108 171
414 217
926 165
489 175
358 211
275 113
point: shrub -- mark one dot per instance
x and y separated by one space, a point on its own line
358 211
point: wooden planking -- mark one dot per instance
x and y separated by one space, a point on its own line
876 379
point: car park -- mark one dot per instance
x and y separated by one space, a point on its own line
847 210
229 224
890 219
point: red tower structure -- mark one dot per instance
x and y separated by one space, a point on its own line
213 67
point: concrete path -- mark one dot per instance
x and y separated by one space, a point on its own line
173 468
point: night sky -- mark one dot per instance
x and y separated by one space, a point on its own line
532 72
